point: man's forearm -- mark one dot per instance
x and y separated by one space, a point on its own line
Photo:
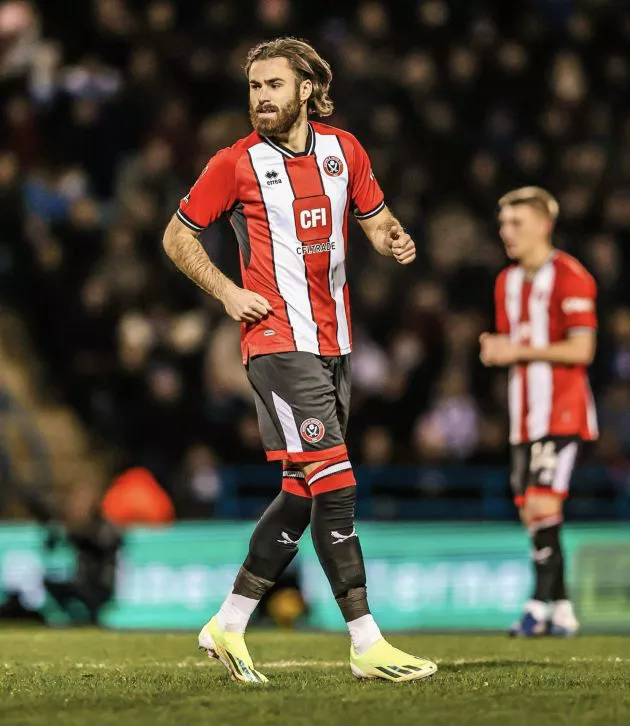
380 237
565 352
185 250
377 228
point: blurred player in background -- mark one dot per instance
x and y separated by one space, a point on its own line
546 324
287 189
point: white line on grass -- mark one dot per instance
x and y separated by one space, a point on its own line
290 663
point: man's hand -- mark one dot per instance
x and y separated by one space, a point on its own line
498 350
183 247
402 246
388 237
245 306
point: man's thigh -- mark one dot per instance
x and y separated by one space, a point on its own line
519 472
543 467
343 384
297 404
551 464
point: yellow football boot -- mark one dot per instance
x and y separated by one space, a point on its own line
231 650
384 661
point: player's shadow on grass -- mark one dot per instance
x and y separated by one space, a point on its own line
493 665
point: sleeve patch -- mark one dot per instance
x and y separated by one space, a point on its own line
577 305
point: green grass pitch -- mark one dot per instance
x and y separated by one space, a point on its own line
98 678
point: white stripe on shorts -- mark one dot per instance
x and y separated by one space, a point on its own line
564 467
287 421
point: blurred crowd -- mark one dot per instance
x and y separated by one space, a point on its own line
112 108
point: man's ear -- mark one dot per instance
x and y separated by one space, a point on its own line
306 90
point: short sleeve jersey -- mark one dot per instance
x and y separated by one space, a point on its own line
559 301
289 212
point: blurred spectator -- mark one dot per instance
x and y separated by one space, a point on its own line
147 188
378 447
112 111
135 497
452 421
198 486
20 37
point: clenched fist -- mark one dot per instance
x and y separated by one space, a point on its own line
497 350
246 306
402 246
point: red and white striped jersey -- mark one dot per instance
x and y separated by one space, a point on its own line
546 399
290 214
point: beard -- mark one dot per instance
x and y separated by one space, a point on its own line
285 117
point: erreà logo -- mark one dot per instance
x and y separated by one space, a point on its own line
272 177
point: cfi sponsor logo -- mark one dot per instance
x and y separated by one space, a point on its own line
333 166
315 248
312 430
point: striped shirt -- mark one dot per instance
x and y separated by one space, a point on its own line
289 212
547 399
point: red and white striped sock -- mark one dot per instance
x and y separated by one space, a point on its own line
333 474
294 481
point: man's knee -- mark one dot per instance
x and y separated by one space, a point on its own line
329 475
336 540
310 466
294 480
539 507
274 542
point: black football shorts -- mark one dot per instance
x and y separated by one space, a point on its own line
545 465
303 402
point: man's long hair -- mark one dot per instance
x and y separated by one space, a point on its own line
306 63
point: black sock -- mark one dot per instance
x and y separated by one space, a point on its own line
548 562
559 589
339 551
273 544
